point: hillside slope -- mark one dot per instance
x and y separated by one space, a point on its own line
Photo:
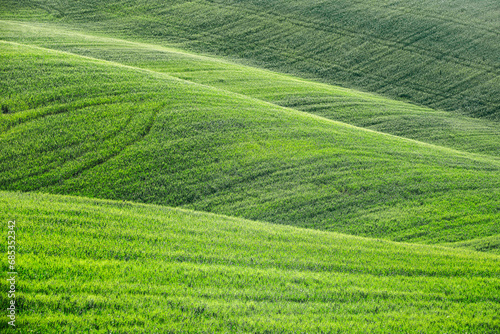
101 129
349 106
103 266
441 54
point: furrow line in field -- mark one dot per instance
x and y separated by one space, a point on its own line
428 14
417 36
76 157
376 78
374 38
103 160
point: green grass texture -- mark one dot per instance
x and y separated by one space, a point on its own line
83 126
333 102
442 54
89 265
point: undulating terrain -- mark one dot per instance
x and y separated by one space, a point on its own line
443 54
119 267
252 166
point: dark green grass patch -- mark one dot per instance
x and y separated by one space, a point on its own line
441 54
157 139
488 244
87 265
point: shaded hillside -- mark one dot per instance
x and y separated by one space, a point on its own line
441 54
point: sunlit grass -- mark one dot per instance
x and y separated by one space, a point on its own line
101 266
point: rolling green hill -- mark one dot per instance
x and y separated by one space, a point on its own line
88 265
353 107
82 126
213 166
440 54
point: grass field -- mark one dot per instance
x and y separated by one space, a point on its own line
96 266
164 178
353 107
85 127
441 54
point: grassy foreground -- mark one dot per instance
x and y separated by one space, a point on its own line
88 127
88 265
443 54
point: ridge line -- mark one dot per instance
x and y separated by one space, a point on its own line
470 155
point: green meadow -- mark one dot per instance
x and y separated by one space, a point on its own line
251 166
97 266
442 54
84 126
333 102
